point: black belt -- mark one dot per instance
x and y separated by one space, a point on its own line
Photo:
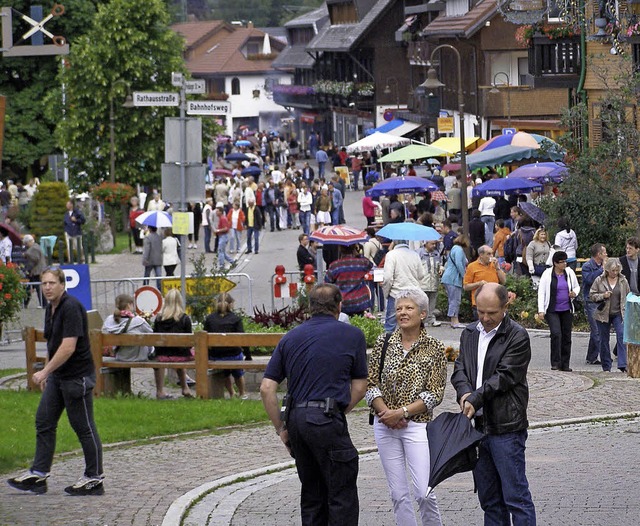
313 403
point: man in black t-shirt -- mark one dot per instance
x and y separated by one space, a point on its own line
67 381
325 364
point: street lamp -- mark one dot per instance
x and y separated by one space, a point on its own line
128 103
387 90
432 82
495 89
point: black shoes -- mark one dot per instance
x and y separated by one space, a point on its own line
567 369
554 368
86 486
622 369
594 362
29 482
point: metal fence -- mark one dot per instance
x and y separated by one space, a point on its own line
103 296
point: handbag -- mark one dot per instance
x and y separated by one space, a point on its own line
382 357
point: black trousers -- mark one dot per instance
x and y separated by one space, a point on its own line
560 324
327 464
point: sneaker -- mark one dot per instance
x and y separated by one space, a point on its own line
86 486
29 482
436 323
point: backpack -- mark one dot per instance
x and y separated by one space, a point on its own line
378 259
510 247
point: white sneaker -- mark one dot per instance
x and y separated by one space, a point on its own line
436 323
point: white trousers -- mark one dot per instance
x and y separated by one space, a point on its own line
399 449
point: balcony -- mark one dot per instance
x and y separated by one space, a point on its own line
554 63
294 96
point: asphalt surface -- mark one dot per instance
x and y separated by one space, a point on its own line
582 470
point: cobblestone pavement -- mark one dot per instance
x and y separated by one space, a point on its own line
143 481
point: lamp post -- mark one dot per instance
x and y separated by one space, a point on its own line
128 103
432 82
495 89
387 90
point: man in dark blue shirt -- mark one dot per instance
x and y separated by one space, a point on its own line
325 364
67 380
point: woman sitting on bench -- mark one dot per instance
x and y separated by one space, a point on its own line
225 321
172 318
125 321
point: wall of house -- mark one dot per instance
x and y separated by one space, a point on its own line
604 70
245 105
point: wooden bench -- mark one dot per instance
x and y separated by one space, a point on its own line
115 376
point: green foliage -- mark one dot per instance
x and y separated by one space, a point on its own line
371 327
48 209
600 195
126 48
26 81
118 419
202 295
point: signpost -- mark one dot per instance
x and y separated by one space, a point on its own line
195 87
208 107
152 98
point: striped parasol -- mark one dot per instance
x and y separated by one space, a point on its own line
339 235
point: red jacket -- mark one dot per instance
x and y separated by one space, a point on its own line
240 219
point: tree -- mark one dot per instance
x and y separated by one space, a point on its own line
26 82
600 195
129 46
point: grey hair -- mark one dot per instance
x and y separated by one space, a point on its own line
417 296
612 264
27 238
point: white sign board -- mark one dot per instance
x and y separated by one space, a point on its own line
176 79
208 107
195 86
151 98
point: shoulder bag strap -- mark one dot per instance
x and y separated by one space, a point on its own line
383 354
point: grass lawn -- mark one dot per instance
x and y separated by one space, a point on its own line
118 419
121 243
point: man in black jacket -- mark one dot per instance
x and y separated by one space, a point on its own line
630 264
490 379
303 255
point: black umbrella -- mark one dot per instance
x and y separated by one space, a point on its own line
533 211
237 156
452 446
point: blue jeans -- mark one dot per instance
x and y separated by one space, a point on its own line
76 396
503 489
356 179
605 350
235 236
594 337
207 238
376 292
251 233
390 318
489 222
223 239
335 216
157 272
455 297
321 169
305 218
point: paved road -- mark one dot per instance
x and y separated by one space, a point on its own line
580 474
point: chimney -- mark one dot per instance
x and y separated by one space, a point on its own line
250 24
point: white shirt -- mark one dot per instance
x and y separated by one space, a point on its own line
483 344
277 176
486 206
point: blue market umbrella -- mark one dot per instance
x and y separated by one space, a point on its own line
401 185
409 231
251 170
541 172
506 185
453 443
237 156
243 142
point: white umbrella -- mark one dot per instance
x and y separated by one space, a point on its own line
377 140
155 218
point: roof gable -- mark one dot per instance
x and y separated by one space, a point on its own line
463 26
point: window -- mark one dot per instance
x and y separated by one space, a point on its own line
235 86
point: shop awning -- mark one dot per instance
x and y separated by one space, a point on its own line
452 144
398 127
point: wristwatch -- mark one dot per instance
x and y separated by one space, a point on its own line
405 412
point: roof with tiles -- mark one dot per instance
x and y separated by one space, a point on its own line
464 26
194 32
227 58
344 37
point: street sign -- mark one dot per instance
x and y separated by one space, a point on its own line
176 79
208 107
195 86
152 98
508 131
445 125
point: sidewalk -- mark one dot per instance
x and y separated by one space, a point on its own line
580 473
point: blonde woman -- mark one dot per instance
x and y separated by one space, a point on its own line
172 319
537 253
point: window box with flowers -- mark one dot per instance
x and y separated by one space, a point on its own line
12 293
526 34
334 87
293 89
365 90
